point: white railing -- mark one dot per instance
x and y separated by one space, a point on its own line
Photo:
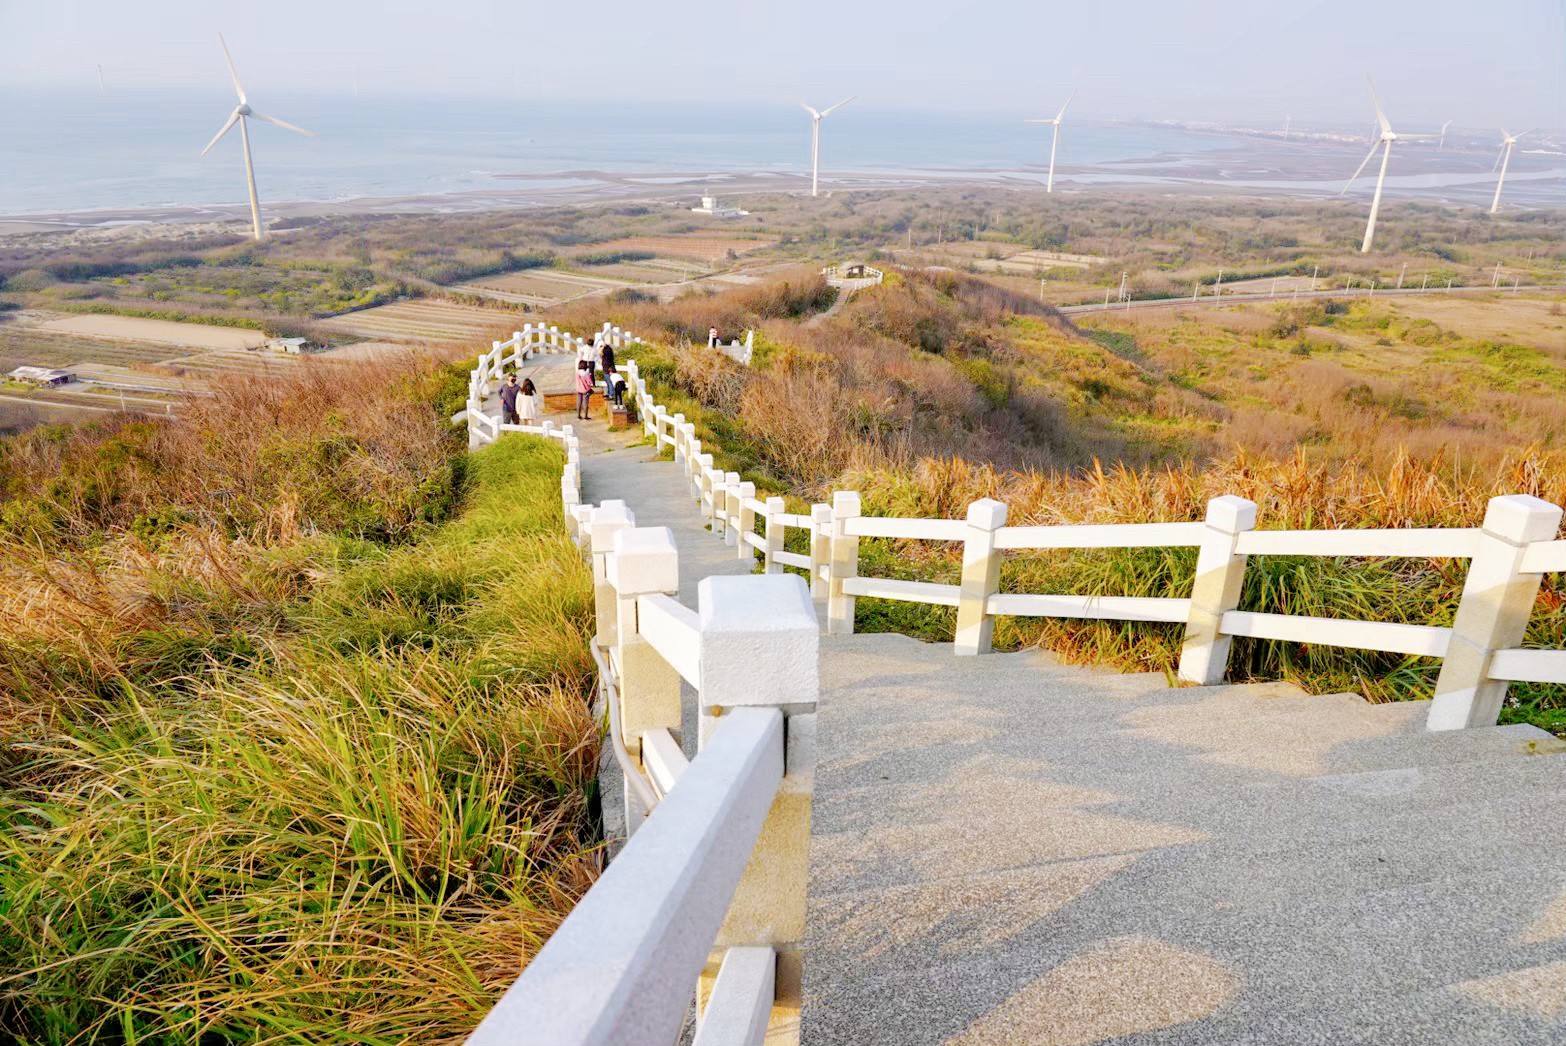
1481 651
523 345
869 275
716 855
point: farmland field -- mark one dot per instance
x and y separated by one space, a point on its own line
135 328
426 320
541 287
30 346
702 247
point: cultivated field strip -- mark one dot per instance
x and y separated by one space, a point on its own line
425 321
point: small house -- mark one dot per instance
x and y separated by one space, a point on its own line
43 377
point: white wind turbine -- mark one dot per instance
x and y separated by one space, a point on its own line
1384 143
1507 141
815 138
241 111
1442 143
1054 143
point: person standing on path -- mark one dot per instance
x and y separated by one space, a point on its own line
508 401
606 358
584 389
528 405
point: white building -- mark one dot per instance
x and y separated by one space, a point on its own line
43 377
710 205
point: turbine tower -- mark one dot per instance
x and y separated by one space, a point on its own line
815 139
239 115
1384 143
1054 142
1442 143
1507 141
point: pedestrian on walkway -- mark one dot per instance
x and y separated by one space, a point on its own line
508 401
619 389
528 404
606 357
584 389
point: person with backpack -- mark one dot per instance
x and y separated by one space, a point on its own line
584 389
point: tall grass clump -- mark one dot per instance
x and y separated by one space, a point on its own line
310 761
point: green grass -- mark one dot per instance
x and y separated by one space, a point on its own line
351 819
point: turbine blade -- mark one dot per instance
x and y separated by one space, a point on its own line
1519 134
1061 115
1381 117
1362 167
1415 137
812 112
1497 164
840 105
279 123
231 70
233 118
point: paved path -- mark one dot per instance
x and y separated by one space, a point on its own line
1242 298
1008 851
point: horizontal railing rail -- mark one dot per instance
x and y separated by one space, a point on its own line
1509 554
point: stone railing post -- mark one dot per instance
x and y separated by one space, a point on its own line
720 500
1493 612
820 549
773 536
677 433
693 466
844 562
571 495
1220 575
604 522
760 648
705 478
981 563
731 486
747 520
643 562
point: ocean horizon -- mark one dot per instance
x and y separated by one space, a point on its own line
87 152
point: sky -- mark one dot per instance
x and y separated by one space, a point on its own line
1239 61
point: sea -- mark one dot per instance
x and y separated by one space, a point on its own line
126 150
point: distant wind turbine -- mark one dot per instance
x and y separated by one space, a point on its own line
1287 120
815 138
101 89
1384 143
1442 143
1507 141
1054 142
241 111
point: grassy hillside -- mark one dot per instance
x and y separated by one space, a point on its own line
294 729
935 390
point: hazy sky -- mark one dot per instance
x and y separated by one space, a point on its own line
1482 64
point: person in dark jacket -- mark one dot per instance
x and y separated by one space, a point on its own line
508 401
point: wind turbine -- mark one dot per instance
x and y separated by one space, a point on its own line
1287 120
241 111
1054 143
1442 143
1384 143
815 138
1507 141
101 89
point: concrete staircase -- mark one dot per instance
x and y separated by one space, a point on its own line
1010 851
1005 850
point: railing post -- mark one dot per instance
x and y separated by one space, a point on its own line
731 486
844 563
820 549
981 563
720 501
1220 575
760 648
773 536
1493 612
704 487
571 495
677 432
644 562
693 467
747 520
605 521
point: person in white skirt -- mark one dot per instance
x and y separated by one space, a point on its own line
528 404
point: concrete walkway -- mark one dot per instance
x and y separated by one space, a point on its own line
1008 851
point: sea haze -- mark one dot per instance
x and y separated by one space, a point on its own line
126 150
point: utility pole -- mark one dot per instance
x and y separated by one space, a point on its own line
1041 288
1274 292
1495 279
1424 282
1106 297
1313 270
1196 285
1218 285
1123 286
1400 276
